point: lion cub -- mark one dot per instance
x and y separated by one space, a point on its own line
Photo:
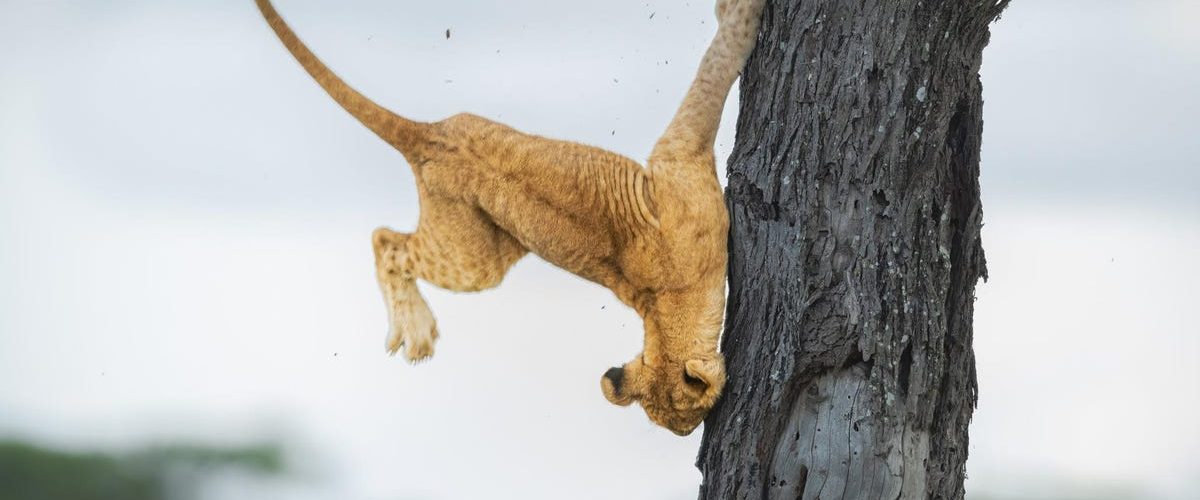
655 236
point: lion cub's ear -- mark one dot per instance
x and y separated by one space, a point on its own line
614 387
707 375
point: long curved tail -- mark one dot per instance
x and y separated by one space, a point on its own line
400 132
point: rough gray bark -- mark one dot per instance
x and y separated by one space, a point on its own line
854 253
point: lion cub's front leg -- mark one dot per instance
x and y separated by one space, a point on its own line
410 322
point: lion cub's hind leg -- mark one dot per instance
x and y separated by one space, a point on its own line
455 247
410 322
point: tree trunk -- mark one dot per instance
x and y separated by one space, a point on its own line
854 252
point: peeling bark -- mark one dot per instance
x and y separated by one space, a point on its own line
854 252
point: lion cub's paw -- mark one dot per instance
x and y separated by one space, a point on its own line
414 330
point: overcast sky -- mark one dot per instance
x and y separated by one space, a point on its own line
185 220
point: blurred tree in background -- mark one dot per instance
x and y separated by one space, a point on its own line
155 473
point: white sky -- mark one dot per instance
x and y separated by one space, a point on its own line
185 216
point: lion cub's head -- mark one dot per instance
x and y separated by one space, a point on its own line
675 394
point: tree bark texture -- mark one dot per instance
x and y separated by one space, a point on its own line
854 252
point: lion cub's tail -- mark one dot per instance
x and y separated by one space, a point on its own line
400 132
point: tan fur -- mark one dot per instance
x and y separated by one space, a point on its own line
655 236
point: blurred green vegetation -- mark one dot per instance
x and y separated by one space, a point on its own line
169 472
